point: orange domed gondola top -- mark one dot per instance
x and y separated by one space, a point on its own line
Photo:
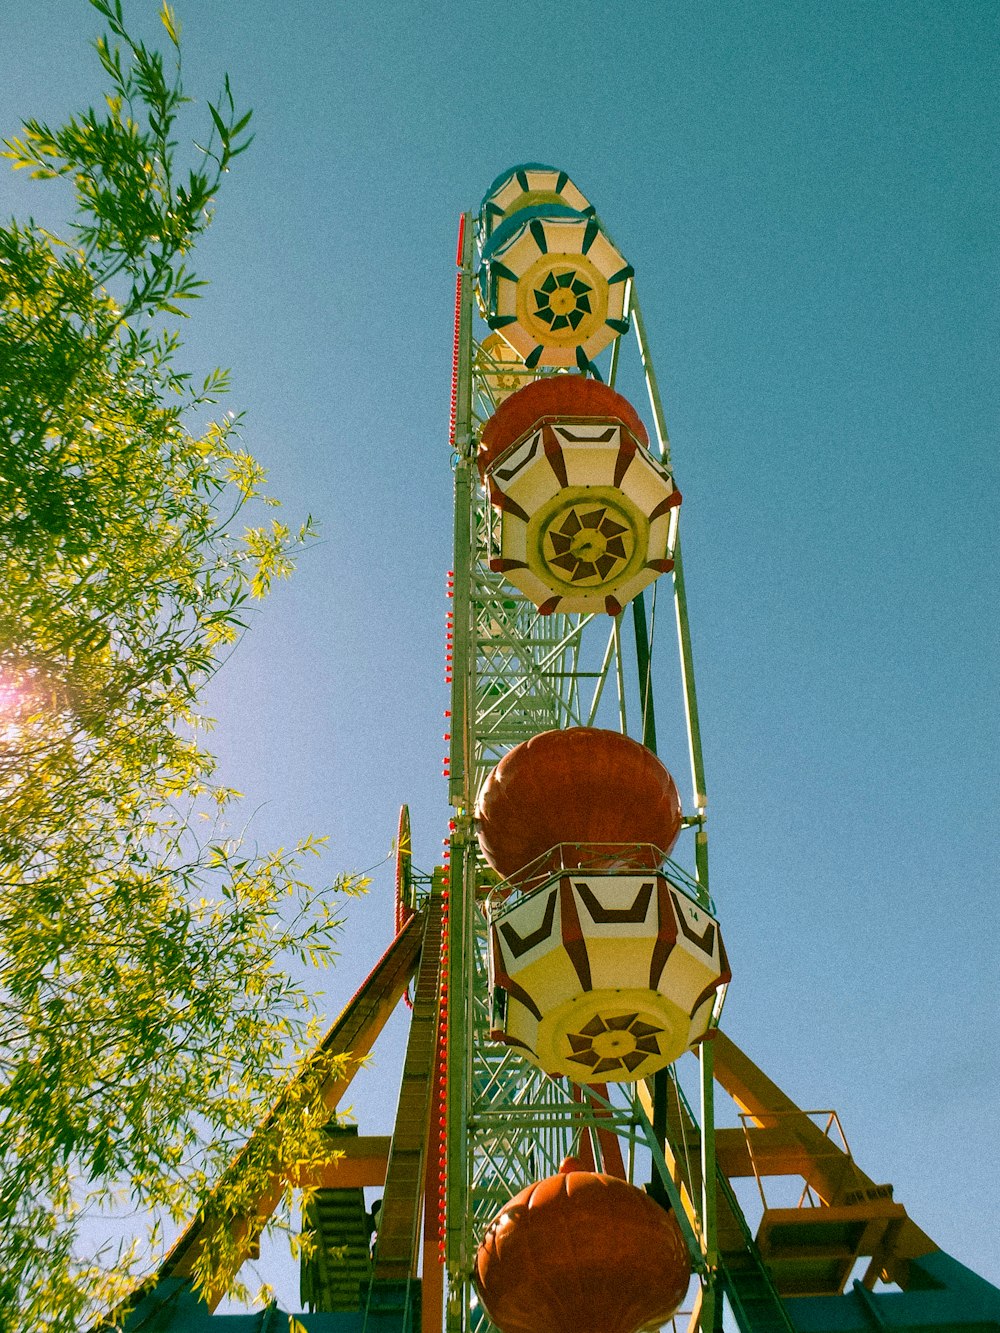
582 1252
557 396
581 785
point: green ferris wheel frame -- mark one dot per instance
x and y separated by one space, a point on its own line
514 673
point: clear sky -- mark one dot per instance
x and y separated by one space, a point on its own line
808 194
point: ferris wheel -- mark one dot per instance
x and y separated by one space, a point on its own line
555 1164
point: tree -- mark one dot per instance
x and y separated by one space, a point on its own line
146 1008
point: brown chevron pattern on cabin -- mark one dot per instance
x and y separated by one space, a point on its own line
511 470
520 944
704 940
608 916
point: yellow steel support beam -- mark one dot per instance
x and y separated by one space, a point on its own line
772 1151
362 1162
832 1172
679 1133
352 1035
829 1170
396 1249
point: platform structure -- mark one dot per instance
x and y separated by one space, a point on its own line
476 1121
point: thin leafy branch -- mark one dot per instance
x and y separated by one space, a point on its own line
148 1008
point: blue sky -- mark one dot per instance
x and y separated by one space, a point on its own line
808 195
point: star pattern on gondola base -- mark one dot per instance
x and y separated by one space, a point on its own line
589 545
563 300
614 1044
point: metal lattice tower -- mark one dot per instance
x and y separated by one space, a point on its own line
516 673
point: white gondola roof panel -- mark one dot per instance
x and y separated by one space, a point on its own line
526 186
